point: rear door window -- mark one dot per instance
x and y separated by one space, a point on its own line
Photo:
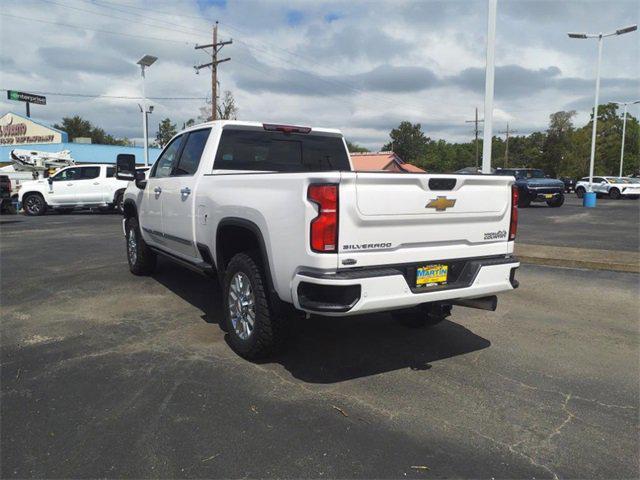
192 152
87 173
256 149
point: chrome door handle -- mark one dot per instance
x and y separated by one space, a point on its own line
96 183
185 191
157 190
69 184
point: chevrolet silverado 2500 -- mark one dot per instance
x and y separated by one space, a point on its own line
276 212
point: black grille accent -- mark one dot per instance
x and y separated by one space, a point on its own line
442 183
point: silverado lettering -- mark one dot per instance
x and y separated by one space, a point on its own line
366 246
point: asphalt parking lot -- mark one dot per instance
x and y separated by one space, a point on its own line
104 374
612 225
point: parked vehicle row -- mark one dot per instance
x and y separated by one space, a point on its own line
534 186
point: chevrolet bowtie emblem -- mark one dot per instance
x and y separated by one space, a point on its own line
440 204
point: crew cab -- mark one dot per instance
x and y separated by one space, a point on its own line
534 186
79 186
278 215
614 187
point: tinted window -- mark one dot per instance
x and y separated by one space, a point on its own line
88 173
164 166
193 148
277 151
68 174
111 172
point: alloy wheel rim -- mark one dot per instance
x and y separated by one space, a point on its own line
132 247
33 204
242 306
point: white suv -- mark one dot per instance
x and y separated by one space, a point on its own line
73 187
615 187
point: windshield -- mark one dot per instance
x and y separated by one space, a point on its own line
530 174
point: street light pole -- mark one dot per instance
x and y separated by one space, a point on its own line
624 130
488 86
589 200
145 62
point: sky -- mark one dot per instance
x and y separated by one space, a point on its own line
361 66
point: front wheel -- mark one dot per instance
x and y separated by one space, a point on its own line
34 204
142 260
255 330
614 194
580 192
556 202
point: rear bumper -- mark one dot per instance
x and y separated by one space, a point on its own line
352 292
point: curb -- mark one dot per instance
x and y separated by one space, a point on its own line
548 255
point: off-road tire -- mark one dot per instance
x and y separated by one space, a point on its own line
144 260
614 194
269 329
556 202
418 317
580 192
33 204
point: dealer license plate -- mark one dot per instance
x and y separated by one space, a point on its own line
431 275
548 195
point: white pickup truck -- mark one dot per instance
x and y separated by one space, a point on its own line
79 186
278 214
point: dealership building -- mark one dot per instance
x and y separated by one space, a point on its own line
20 132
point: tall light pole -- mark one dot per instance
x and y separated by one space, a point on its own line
488 86
590 199
624 130
145 62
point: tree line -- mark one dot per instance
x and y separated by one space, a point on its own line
561 150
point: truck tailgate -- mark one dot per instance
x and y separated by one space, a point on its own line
402 218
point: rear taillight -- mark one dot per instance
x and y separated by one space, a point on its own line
324 227
513 225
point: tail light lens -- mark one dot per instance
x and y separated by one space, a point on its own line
513 225
324 228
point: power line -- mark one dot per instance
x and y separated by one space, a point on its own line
108 32
117 97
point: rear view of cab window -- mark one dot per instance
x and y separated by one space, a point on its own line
281 152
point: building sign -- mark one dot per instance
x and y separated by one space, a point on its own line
26 97
18 130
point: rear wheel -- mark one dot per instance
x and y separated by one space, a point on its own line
117 204
422 316
557 201
255 329
34 204
142 260
523 202
614 194
580 191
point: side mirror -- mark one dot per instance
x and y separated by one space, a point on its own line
141 179
126 167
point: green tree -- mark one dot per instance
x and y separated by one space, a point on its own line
77 126
558 143
355 148
166 131
409 142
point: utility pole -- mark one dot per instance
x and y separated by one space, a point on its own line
476 121
215 46
506 150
